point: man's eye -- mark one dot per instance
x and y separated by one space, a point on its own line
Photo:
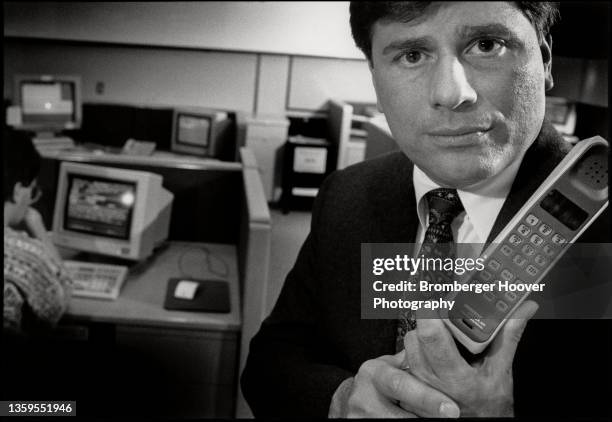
487 46
411 57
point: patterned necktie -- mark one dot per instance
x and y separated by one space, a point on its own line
444 207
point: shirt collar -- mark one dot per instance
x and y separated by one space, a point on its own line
482 201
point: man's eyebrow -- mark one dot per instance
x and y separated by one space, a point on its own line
491 29
408 44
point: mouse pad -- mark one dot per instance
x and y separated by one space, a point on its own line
210 296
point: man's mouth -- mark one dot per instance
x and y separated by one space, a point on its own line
459 136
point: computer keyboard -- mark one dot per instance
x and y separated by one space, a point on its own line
94 280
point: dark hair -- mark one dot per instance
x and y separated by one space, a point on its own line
364 15
20 161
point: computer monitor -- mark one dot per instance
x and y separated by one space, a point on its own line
199 131
110 211
48 103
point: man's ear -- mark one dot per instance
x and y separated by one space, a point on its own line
371 66
546 49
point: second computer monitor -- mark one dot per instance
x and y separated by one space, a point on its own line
110 211
48 103
199 131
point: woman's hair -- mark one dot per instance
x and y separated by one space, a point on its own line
364 15
20 161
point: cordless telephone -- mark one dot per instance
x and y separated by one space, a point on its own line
566 203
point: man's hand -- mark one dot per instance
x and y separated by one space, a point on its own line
382 389
481 389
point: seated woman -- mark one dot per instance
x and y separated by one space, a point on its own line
37 287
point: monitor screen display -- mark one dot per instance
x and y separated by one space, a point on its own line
193 130
99 206
48 103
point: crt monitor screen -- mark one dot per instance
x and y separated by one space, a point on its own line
193 130
99 206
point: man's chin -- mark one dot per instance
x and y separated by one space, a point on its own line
460 177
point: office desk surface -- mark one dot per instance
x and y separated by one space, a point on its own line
141 301
158 158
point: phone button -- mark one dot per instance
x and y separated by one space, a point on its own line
507 275
539 259
537 240
489 296
524 230
532 271
558 239
548 250
545 229
485 275
519 260
506 250
494 265
511 296
515 240
528 250
532 220
501 306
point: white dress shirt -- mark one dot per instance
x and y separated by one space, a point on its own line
482 203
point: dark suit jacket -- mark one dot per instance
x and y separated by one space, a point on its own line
315 338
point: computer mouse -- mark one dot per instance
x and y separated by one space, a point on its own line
186 289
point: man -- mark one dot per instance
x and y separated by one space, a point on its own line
463 88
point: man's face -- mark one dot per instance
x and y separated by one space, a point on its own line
462 87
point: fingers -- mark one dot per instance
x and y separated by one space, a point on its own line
413 395
504 345
431 345
397 360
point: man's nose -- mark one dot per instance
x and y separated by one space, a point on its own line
450 87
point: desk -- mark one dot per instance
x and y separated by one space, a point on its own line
230 195
184 362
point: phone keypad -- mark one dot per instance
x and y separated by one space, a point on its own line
527 251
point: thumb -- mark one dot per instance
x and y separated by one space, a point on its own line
504 345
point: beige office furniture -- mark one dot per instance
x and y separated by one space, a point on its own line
350 141
265 135
254 250
196 351
185 364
